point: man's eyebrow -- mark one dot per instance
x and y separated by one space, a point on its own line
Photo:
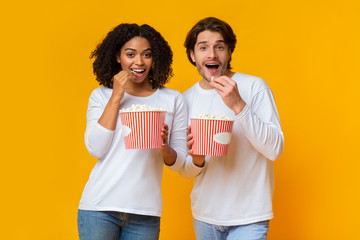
201 42
204 42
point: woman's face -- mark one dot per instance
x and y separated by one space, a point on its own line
136 57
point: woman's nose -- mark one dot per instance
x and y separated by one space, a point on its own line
139 60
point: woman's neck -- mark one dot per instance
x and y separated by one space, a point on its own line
143 89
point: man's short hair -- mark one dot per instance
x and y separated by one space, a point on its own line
211 24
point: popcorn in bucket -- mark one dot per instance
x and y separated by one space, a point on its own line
211 134
141 126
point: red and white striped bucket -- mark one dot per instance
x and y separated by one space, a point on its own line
142 129
211 137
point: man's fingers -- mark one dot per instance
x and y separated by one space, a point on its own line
189 137
224 81
218 86
224 85
189 144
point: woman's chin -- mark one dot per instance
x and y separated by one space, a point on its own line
139 80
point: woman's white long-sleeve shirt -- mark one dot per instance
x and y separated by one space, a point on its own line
129 180
237 189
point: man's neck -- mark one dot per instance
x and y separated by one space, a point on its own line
204 84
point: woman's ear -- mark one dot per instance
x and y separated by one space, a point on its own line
118 58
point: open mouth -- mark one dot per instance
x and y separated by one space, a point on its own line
212 66
137 70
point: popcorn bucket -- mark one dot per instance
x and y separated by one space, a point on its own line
211 137
142 129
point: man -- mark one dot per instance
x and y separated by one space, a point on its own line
232 195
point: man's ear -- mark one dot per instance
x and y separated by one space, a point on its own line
192 55
230 54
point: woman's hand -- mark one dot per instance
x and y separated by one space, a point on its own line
166 151
198 160
111 112
119 82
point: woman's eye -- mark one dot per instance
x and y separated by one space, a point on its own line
130 54
147 55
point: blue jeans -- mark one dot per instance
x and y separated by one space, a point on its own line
253 231
97 225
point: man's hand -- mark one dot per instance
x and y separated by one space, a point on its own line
198 160
228 90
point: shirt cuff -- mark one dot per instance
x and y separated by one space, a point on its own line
176 166
243 112
197 168
179 162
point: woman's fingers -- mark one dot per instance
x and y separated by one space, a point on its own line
165 133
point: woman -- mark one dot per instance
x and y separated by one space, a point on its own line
122 198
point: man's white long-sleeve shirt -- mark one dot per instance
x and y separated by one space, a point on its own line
237 189
129 180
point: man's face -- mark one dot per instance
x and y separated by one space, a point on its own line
211 55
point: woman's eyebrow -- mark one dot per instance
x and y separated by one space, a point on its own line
132 49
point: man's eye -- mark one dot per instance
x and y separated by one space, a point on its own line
202 48
220 48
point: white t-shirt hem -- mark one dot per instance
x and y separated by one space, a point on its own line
234 222
124 210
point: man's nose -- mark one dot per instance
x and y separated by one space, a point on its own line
212 53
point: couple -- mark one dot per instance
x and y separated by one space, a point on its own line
232 196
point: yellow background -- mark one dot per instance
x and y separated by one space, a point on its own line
307 51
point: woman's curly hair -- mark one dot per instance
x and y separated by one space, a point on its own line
106 66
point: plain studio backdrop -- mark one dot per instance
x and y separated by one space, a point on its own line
307 51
